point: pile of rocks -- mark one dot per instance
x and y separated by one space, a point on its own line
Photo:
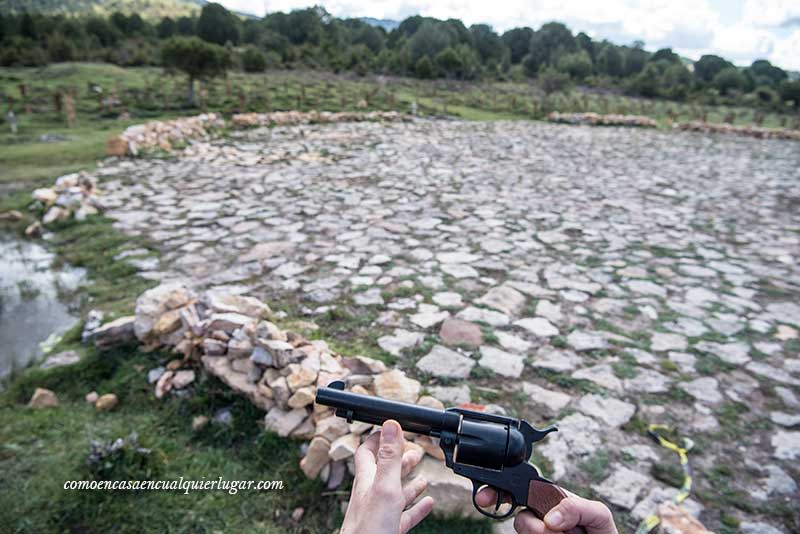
279 372
73 195
595 119
283 118
747 131
163 134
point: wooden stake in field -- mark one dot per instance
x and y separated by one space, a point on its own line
12 121
203 99
57 102
69 109
23 93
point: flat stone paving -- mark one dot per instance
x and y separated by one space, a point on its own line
618 276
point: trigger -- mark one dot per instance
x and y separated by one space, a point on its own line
498 501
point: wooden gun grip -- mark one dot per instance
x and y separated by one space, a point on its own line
542 497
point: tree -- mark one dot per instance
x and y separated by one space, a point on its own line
185 26
199 59
427 41
424 68
27 27
585 43
549 43
665 54
790 92
105 33
646 83
709 65
552 80
518 41
635 58
217 25
370 37
60 48
300 26
488 44
762 71
676 81
449 63
253 60
609 60
577 64
166 28
729 79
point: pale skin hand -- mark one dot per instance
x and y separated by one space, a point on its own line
380 503
573 511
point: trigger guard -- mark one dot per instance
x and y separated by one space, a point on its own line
476 486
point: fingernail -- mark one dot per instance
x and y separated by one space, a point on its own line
389 430
554 518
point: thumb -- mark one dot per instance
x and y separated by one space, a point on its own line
577 511
390 455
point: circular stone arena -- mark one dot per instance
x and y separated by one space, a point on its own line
599 278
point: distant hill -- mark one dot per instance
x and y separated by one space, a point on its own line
386 24
149 9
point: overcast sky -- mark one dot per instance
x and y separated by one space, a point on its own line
741 30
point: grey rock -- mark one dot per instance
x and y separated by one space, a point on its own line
623 487
442 362
481 315
786 445
758 527
601 374
504 299
538 326
648 381
501 362
154 374
556 360
661 342
401 340
581 340
67 357
451 395
613 412
785 419
704 389
554 401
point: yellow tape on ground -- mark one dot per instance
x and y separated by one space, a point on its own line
650 522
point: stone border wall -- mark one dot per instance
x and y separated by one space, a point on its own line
164 135
234 338
595 119
747 131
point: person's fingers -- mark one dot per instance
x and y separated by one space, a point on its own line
526 523
366 455
486 496
415 514
413 489
389 457
593 515
410 460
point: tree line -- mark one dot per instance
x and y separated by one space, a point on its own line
217 40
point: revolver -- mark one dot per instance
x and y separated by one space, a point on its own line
490 450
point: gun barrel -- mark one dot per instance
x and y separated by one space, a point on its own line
375 410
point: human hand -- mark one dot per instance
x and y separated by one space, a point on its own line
574 511
379 502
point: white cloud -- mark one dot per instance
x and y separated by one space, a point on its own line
770 13
787 51
693 27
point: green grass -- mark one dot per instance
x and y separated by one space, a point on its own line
41 449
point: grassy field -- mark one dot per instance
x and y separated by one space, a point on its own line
39 450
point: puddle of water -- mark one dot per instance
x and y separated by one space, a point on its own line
32 305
